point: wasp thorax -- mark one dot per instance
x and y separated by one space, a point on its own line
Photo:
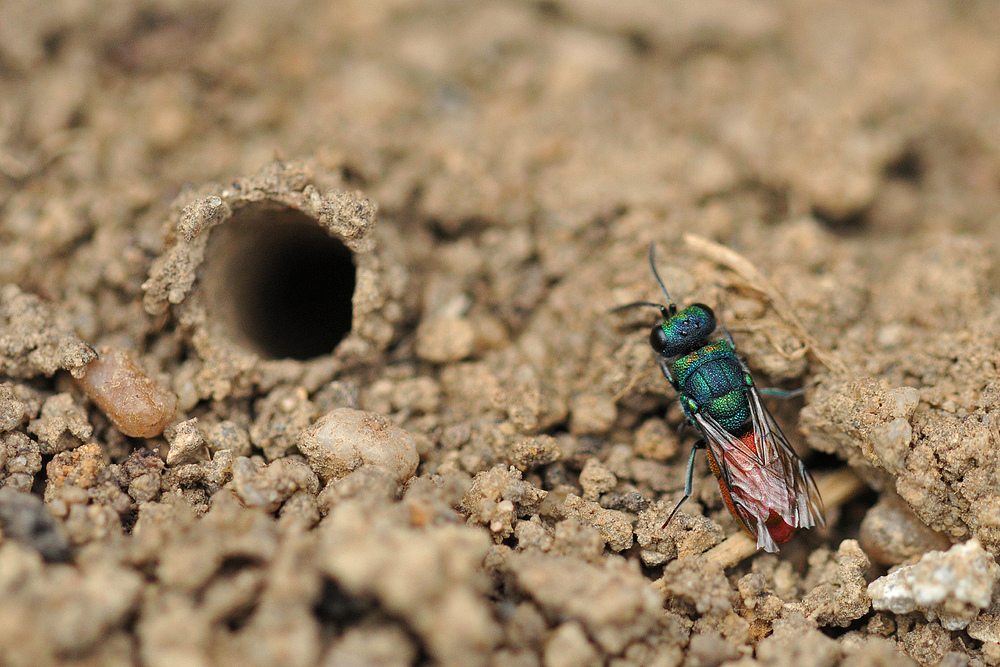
684 332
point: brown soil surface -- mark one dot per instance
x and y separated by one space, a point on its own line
306 355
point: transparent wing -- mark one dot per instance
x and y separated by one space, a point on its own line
808 506
762 473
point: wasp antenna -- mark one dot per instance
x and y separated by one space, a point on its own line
652 265
659 306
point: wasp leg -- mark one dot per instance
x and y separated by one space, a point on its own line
665 369
688 483
783 393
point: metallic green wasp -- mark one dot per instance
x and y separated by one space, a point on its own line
763 482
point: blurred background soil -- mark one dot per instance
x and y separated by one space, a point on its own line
479 472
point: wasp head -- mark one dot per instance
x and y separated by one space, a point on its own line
683 332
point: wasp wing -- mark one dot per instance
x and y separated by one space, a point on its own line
753 489
808 504
762 474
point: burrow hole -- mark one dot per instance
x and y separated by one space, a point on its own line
278 283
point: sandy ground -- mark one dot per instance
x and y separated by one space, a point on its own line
306 356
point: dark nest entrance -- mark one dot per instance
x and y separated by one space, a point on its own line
278 283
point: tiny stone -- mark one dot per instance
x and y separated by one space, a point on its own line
141 474
445 339
654 440
633 502
24 518
711 649
595 479
534 452
139 407
228 435
592 413
12 411
377 396
891 533
186 443
991 652
420 394
381 645
345 439
568 647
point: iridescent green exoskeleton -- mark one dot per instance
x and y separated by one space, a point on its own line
763 482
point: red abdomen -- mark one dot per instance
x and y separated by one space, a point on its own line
780 531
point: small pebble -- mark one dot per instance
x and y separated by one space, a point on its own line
422 394
345 439
891 533
186 443
595 479
632 501
656 441
12 411
131 400
228 435
445 339
535 452
591 414
24 518
568 647
951 586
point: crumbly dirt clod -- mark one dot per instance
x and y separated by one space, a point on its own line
837 585
12 410
615 527
498 497
37 339
430 575
22 459
611 601
282 416
61 425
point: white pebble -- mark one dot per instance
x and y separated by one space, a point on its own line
952 586
345 439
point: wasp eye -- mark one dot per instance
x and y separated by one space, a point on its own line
658 339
